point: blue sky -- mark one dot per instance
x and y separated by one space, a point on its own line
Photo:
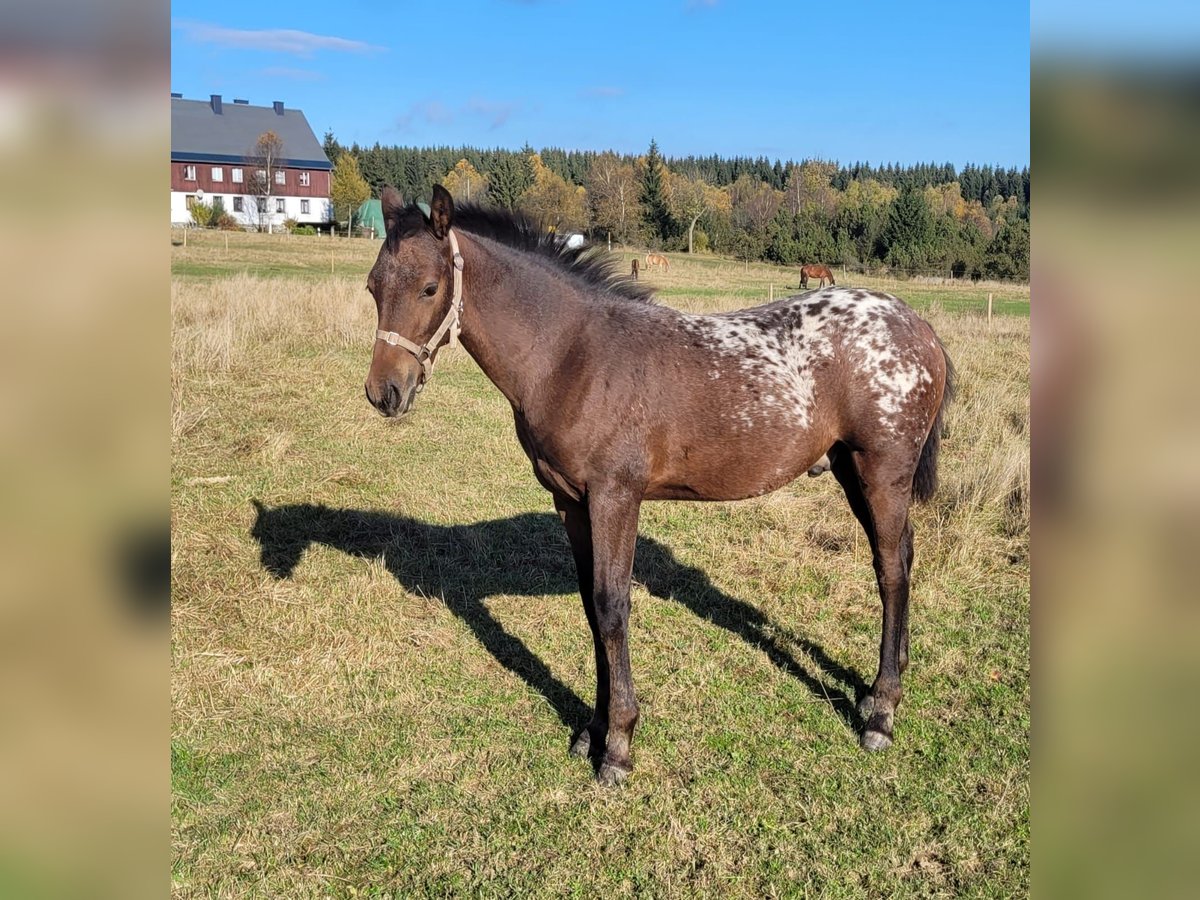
869 81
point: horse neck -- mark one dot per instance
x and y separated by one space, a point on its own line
515 315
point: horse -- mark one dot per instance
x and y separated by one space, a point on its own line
633 270
657 259
618 400
815 271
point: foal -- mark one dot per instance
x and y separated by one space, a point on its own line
617 400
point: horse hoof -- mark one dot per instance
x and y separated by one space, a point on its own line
582 745
611 775
874 741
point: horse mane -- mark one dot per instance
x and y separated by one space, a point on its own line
587 263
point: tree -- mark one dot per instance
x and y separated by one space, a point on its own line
465 183
264 171
908 231
754 204
689 199
332 148
508 179
1007 255
810 191
551 201
349 189
655 212
613 194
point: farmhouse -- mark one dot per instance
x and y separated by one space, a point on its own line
213 155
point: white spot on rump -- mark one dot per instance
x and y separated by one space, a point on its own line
781 347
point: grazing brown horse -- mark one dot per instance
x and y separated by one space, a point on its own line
657 259
633 271
618 400
815 271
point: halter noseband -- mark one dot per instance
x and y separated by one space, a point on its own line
452 322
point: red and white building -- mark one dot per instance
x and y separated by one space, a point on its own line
212 155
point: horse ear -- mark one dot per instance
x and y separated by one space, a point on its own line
392 204
441 211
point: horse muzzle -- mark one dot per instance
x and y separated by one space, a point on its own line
393 397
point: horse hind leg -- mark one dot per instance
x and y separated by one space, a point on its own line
879 490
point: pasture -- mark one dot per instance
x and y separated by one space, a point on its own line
379 655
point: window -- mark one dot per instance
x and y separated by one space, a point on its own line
279 207
237 201
303 179
189 173
304 207
218 173
261 174
280 176
190 200
237 176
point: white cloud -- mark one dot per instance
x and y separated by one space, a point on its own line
277 40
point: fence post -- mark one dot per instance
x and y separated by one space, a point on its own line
771 296
989 308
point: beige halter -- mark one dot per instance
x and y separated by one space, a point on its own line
452 322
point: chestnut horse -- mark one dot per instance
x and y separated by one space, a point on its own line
815 271
657 259
618 400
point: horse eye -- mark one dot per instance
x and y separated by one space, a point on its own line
430 289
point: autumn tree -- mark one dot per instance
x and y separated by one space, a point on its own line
263 176
551 201
810 192
613 195
466 183
691 198
349 189
754 204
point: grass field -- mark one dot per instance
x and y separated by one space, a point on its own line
379 656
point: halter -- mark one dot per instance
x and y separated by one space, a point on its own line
424 352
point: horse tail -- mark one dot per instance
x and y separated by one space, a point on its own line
925 481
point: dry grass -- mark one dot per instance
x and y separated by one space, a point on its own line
377 673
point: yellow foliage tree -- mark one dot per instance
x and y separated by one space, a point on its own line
552 202
947 200
689 199
809 189
465 182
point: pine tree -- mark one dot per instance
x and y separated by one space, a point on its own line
654 202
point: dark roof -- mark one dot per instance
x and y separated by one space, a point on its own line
200 134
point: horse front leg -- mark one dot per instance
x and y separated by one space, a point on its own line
614 517
574 515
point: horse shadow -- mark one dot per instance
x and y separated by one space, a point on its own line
528 555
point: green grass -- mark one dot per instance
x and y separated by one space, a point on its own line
377 671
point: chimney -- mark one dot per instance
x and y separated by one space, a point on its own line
241 102
175 96
278 107
216 103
